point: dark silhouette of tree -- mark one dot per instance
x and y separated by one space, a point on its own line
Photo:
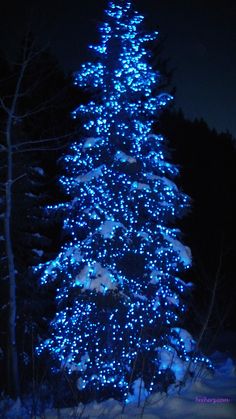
208 174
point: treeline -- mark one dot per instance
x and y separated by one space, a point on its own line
36 100
208 175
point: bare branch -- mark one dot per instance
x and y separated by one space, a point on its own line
41 108
18 178
31 150
30 56
6 109
38 81
19 95
3 80
44 140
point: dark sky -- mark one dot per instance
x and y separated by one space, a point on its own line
200 43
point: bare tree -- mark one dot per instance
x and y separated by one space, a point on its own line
11 146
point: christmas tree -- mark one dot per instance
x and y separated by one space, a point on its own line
120 301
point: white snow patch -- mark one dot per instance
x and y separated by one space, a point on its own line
39 170
73 366
156 303
155 137
38 252
82 366
107 229
123 157
188 341
185 284
30 195
227 369
139 392
164 179
90 142
173 300
74 253
142 186
140 296
144 235
81 383
90 175
155 276
211 397
71 253
184 252
95 277
208 397
169 359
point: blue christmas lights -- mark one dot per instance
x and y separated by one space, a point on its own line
123 204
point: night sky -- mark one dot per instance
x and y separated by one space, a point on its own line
200 44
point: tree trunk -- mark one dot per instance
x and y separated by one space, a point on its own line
13 369
13 373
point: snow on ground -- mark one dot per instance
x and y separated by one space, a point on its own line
209 396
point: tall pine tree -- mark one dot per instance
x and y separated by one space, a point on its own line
120 301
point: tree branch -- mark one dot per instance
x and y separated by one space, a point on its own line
6 109
41 149
18 178
41 108
44 140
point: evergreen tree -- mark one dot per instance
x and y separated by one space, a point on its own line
120 301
